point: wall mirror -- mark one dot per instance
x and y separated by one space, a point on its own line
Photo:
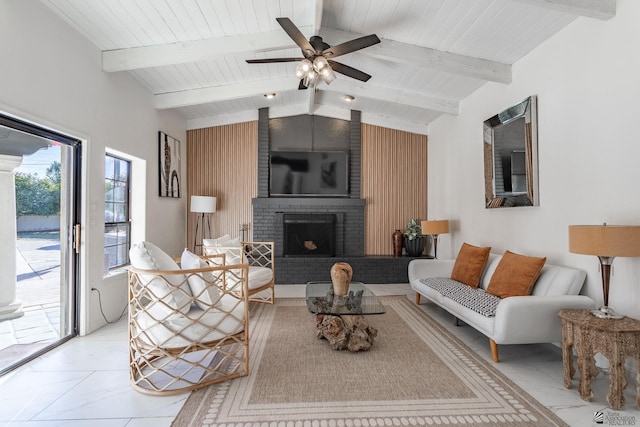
511 156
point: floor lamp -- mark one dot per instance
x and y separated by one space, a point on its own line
202 205
434 228
606 242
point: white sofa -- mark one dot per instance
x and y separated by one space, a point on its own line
518 319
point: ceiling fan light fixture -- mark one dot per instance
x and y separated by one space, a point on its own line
310 78
327 75
315 52
303 68
320 63
322 67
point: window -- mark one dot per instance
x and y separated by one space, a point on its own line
117 224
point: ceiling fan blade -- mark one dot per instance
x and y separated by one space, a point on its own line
269 60
297 36
349 71
301 86
351 46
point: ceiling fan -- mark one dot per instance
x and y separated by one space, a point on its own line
317 56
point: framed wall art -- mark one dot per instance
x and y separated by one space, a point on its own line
169 150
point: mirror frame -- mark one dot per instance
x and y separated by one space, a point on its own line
527 109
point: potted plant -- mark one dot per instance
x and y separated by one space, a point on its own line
414 240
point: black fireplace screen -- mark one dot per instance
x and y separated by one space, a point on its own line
309 235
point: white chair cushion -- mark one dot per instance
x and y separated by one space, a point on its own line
147 256
259 276
228 245
201 284
180 330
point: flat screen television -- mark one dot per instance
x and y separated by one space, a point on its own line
309 173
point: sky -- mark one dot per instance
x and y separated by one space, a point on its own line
39 161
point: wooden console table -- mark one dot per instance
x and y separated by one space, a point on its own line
615 339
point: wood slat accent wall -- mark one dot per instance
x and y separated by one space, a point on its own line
394 183
222 162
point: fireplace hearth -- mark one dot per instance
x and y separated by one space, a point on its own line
311 235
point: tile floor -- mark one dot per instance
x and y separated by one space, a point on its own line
84 382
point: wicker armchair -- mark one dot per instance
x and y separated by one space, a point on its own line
183 337
258 255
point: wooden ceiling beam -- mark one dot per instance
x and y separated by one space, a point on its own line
180 53
317 23
367 90
206 95
404 53
260 87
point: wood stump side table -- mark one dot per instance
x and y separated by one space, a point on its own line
615 339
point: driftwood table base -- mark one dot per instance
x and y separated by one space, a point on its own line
351 332
614 339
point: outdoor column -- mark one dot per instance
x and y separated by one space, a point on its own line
10 308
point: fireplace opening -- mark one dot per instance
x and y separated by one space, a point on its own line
309 235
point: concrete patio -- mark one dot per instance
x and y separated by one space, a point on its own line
38 288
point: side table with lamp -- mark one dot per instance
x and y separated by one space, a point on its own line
602 331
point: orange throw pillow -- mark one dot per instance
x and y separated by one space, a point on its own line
470 264
515 275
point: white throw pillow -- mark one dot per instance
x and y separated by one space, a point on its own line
227 245
147 256
201 284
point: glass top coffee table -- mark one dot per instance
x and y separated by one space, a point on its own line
321 300
339 319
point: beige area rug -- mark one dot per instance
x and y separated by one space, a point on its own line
416 373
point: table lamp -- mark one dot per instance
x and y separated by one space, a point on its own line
606 242
203 205
433 228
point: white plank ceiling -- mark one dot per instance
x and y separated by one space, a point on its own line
433 53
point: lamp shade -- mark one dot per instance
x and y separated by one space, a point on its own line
605 240
435 227
203 204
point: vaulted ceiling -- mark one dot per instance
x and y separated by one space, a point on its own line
433 53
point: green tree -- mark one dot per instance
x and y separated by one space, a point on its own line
53 173
37 196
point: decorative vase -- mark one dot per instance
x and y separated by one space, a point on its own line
416 246
341 274
396 237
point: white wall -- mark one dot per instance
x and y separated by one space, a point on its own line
586 79
51 75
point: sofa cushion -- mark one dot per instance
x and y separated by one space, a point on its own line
202 284
474 299
470 264
515 275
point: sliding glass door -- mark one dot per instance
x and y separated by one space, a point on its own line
38 307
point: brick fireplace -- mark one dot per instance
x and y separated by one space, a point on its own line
270 214
309 235
269 221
